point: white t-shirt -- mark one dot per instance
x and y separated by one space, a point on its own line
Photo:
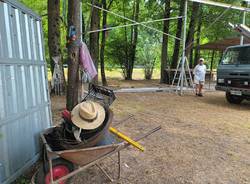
200 72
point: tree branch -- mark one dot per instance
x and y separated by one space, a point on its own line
110 3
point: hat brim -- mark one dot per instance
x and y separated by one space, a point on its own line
88 125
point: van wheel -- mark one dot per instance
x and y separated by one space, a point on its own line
233 99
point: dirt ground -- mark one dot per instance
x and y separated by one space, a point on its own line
202 140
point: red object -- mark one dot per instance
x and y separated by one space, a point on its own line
58 172
66 115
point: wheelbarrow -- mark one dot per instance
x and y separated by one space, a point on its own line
64 164
59 165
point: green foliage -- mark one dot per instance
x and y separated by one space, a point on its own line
149 52
148 58
115 55
118 52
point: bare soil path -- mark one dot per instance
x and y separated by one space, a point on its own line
202 140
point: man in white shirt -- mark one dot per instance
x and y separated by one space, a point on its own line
199 77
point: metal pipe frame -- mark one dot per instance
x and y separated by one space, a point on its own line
128 19
137 23
223 5
208 2
244 23
184 46
121 146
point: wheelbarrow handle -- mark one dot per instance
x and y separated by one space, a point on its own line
126 138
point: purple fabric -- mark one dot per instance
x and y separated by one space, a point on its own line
86 61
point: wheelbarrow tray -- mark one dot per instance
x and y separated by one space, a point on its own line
85 156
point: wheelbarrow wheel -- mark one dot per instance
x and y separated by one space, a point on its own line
60 168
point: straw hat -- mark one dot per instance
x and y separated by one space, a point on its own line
88 115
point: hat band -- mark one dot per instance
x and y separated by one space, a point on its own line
89 120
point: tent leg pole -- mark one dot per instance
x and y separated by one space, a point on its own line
184 45
243 22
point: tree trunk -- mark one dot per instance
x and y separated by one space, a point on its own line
124 65
198 36
175 57
94 37
134 37
54 35
73 55
191 30
83 27
103 42
164 51
191 57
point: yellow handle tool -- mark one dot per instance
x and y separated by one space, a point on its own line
126 138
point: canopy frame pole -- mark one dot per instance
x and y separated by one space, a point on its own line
244 23
137 23
128 19
184 46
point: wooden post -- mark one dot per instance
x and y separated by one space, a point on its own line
73 55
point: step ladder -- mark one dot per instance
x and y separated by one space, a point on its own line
182 73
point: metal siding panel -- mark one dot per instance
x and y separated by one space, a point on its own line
37 85
19 38
19 89
2 111
24 101
23 36
28 86
32 85
48 117
2 32
38 25
7 29
33 39
10 91
13 88
33 130
43 70
36 129
20 6
37 41
30 142
14 139
25 88
4 156
26 22
13 32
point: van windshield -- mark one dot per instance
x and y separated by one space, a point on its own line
239 55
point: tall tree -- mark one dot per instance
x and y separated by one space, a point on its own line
73 55
54 35
164 50
134 38
103 40
175 57
198 37
191 30
94 37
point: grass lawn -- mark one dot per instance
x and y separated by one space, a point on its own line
138 74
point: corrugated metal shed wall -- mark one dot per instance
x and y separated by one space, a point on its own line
24 101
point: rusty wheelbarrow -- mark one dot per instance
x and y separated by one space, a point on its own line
61 165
